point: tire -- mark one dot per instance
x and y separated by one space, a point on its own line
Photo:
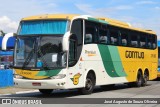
89 85
108 87
46 91
139 80
145 79
130 84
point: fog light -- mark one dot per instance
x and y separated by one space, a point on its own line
63 83
59 76
18 76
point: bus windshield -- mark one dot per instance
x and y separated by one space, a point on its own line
43 27
39 52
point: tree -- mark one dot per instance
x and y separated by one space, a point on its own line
2 33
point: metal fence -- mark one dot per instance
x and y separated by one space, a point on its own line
6 78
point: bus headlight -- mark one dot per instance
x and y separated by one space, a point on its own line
59 76
18 76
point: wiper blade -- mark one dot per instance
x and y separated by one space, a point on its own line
26 62
43 59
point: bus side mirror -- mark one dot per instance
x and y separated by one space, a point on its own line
65 42
5 39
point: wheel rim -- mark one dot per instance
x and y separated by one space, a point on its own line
89 84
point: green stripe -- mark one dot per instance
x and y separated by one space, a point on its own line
96 20
111 60
93 19
102 21
49 73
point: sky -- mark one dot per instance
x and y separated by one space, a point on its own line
139 13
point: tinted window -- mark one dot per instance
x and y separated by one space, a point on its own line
124 38
142 41
77 29
76 41
91 35
103 35
114 35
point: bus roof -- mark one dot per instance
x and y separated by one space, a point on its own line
125 25
51 16
101 20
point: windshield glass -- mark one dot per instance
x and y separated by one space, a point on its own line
25 50
42 27
44 52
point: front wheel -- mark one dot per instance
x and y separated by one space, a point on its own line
46 91
89 85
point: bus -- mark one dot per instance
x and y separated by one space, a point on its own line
158 59
65 51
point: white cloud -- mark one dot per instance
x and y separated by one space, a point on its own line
89 9
145 2
7 25
157 8
123 7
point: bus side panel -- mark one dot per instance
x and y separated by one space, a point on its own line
105 62
135 59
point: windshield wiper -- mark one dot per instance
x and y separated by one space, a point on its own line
26 62
43 59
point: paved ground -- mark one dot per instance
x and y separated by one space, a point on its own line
152 90
12 90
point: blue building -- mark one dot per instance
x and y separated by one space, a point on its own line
6 57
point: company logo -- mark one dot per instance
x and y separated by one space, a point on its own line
134 54
90 53
75 78
6 101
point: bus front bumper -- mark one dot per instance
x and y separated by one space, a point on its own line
40 84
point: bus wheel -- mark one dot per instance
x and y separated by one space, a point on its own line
145 79
46 91
108 87
139 80
89 85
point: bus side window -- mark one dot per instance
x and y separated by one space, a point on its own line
103 37
90 32
133 39
149 42
124 38
88 38
142 41
154 45
114 35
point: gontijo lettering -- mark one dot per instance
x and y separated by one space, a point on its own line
134 54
